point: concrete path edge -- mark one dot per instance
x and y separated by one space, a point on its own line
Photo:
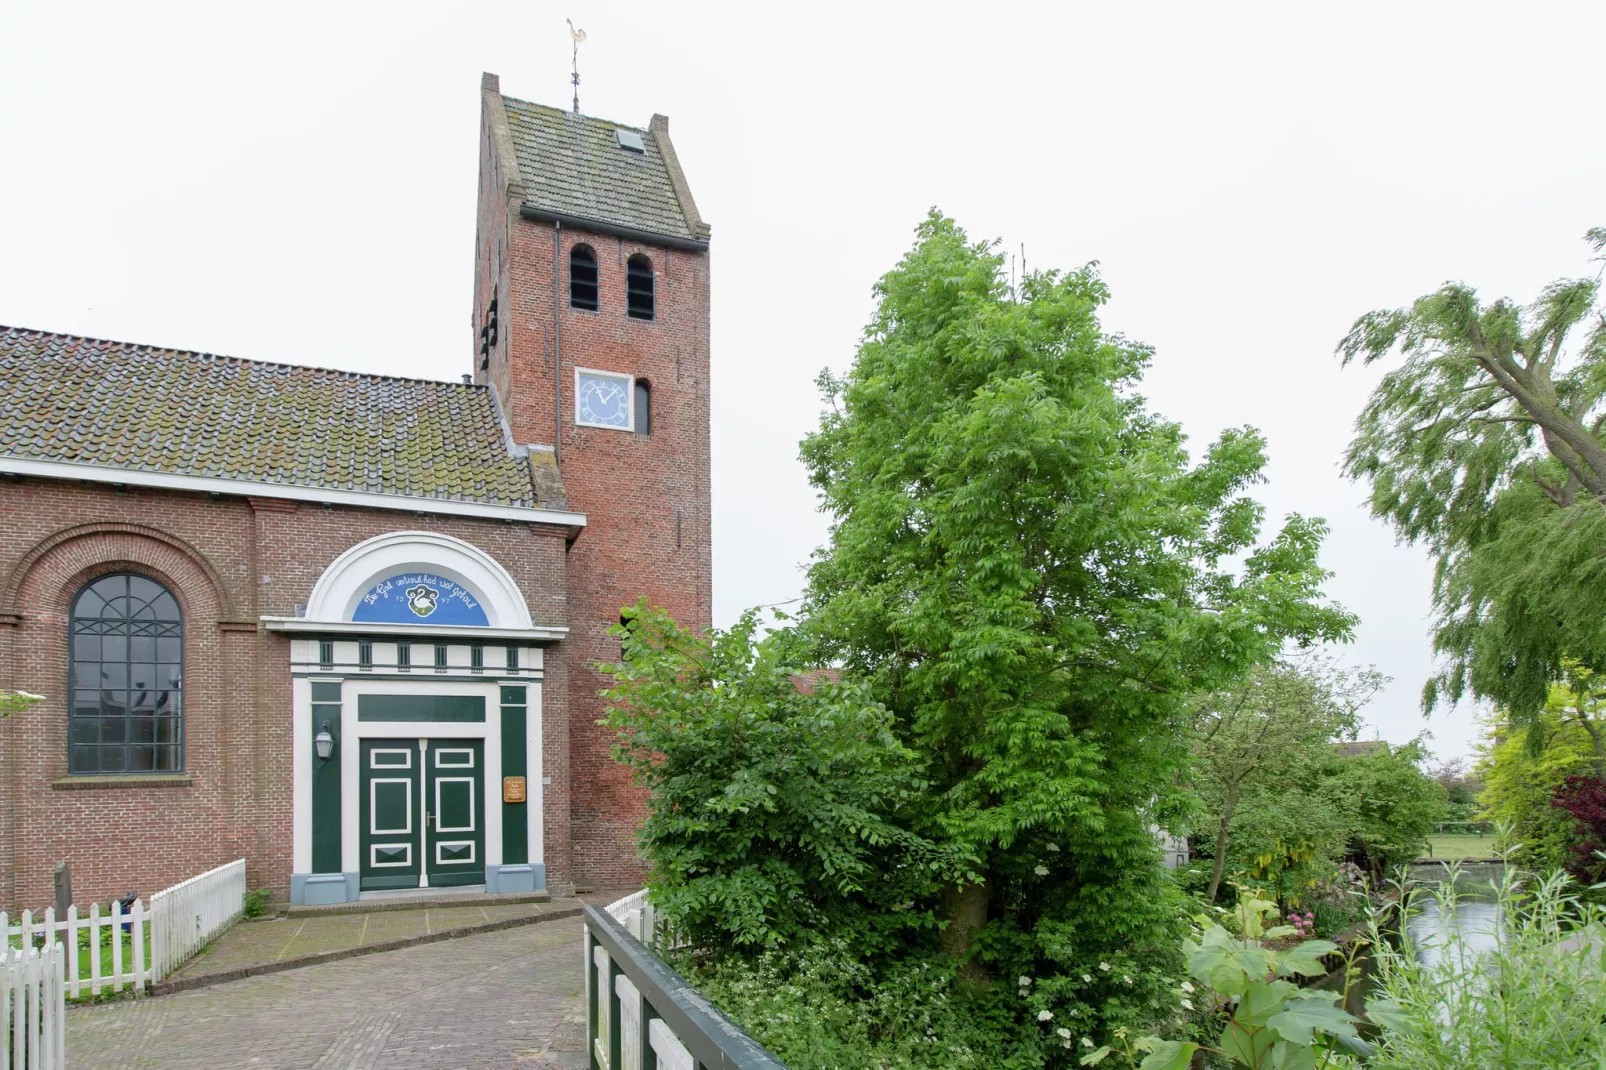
240 973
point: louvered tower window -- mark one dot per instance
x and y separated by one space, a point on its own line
639 287
583 278
488 335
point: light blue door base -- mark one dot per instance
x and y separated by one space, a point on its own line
328 889
322 889
520 877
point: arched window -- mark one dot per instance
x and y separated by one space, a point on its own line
643 407
638 287
127 670
583 278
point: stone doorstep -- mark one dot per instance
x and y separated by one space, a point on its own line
433 902
239 973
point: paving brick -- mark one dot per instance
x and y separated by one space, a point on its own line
500 1000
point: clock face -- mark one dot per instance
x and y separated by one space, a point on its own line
604 401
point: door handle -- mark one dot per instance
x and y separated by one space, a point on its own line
429 818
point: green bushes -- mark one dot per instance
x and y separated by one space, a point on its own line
1523 769
1534 996
1292 830
1255 1013
775 813
821 1008
256 903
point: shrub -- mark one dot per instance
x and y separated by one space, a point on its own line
256 903
1393 805
774 811
1584 797
1256 1015
1522 769
819 1007
1535 998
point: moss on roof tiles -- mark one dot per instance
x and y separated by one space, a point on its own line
573 164
144 408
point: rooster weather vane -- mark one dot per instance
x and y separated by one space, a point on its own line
578 36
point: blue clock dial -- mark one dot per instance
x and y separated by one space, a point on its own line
604 401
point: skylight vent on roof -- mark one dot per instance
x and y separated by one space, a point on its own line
630 139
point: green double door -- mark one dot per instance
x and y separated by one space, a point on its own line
422 813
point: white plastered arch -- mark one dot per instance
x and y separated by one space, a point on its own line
353 573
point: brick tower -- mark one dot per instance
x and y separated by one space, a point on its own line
591 302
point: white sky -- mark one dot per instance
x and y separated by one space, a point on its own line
296 182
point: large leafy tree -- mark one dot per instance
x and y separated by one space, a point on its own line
1484 445
1033 576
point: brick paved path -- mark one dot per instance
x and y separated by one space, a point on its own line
505 1000
264 941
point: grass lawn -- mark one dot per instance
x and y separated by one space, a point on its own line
1460 846
85 956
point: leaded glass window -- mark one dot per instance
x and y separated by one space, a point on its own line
127 669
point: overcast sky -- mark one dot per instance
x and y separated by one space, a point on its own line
296 182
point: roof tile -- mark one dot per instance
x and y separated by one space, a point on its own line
573 164
143 408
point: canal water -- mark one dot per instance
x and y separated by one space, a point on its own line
1475 916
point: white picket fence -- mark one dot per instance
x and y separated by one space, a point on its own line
180 921
33 1009
127 967
185 917
635 914
641 920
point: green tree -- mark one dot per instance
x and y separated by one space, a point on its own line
776 812
1251 738
1485 446
1391 804
1287 836
1033 578
1519 783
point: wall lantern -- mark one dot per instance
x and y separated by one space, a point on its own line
324 742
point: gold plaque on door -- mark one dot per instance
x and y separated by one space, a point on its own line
513 789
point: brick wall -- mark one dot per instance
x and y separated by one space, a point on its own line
646 497
227 562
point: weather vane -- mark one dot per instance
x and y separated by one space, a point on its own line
578 36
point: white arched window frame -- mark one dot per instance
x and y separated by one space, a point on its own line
335 597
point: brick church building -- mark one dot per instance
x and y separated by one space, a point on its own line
345 625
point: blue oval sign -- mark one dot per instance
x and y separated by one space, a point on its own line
420 598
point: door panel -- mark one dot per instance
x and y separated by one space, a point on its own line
454 851
389 813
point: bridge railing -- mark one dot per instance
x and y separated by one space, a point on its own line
642 1015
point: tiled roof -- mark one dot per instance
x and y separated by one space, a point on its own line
572 164
148 409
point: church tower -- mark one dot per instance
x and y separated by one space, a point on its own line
591 311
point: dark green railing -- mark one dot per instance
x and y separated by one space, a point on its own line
642 1015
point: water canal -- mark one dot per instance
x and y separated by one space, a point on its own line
1472 922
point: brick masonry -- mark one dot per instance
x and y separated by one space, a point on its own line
233 559
646 497
228 562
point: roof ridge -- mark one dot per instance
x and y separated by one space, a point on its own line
566 111
7 329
